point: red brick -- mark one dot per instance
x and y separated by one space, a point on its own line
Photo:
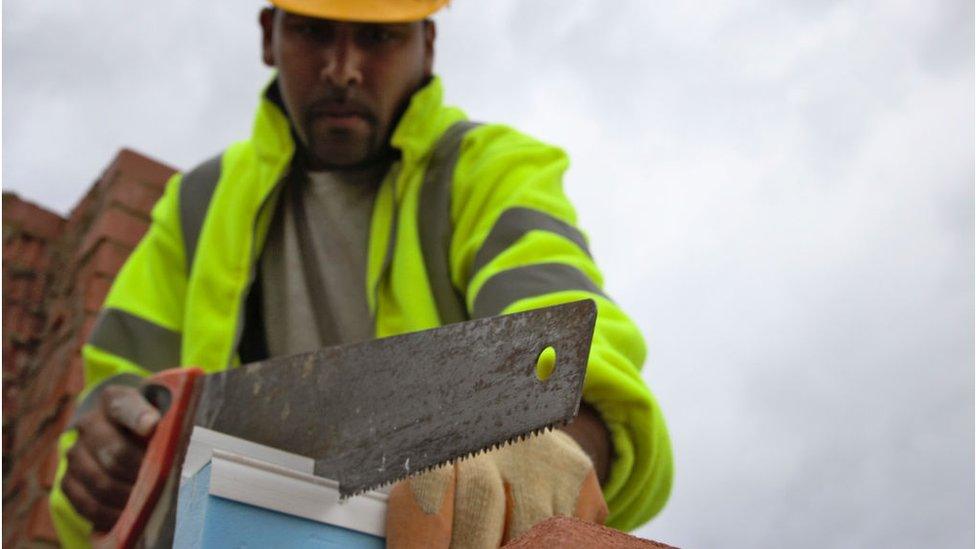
75 376
11 311
13 483
24 356
43 260
81 215
49 469
26 323
49 387
9 308
17 289
8 448
142 168
18 250
43 435
20 471
52 391
30 217
31 253
95 291
11 401
132 193
39 222
107 258
34 415
40 527
57 312
48 439
12 248
13 360
38 322
23 328
86 328
116 225
38 289
11 536
15 329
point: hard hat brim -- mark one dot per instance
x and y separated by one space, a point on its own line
364 11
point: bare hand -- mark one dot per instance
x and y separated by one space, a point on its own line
104 462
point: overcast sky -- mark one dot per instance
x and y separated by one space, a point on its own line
780 193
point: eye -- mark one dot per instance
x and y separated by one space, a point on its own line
377 35
311 30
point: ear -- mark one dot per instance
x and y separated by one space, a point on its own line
430 34
266 20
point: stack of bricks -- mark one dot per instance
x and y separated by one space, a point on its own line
56 273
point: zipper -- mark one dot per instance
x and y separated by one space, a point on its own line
234 358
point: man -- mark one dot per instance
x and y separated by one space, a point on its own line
362 207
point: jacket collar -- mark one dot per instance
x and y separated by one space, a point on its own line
271 131
423 122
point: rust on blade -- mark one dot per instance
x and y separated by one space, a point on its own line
375 412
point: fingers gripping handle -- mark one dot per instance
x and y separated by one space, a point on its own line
173 392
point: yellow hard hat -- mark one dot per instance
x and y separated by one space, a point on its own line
367 11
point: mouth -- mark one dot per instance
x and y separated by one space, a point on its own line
342 116
347 121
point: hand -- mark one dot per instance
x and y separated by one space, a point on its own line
104 462
493 498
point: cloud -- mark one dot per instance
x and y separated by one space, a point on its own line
780 193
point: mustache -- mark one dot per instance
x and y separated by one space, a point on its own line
342 102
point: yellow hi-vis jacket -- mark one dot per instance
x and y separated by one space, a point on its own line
471 221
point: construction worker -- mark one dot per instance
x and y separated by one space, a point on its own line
362 207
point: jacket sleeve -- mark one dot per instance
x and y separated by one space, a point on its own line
516 247
138 332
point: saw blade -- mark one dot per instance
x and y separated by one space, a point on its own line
375 412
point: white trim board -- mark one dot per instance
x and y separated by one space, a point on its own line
272 487
257 475
204 441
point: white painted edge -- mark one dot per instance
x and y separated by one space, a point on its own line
271 486
204 441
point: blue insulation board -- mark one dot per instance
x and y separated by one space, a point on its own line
203 520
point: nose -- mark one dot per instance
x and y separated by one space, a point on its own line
343 63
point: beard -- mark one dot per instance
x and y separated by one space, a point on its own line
342 141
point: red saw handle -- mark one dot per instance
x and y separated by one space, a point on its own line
159 459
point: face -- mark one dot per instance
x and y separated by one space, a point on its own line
345 84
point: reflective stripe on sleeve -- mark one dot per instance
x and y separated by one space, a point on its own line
196 190
507 287
434 221
513 224
137 340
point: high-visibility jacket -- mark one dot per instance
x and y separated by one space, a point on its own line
469 222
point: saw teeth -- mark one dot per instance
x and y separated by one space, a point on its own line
469 455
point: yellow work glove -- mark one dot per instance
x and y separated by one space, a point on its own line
492 498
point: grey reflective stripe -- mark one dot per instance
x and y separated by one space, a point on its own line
139 341
128 380
196 190
507 287
434 221
513 224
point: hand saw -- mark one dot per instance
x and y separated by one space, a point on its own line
375 412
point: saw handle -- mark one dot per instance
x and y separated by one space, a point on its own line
172 391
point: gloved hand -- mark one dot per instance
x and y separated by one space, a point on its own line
492 498
103 464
